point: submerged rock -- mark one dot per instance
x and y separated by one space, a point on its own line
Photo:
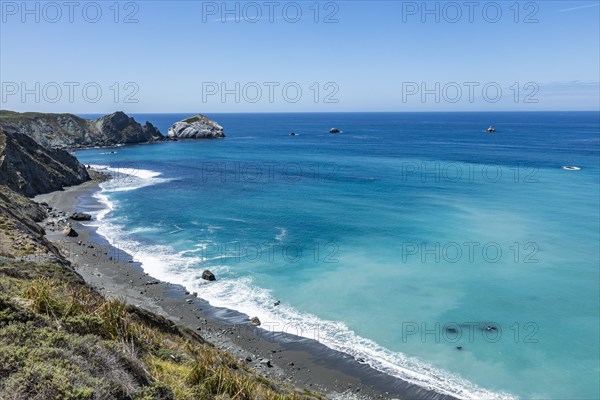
196 127
208 276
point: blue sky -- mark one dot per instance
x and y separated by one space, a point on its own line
193 56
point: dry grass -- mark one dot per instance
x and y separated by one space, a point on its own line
81 345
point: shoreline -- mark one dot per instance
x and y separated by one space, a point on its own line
302 362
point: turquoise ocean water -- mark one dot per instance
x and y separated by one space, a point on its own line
463 261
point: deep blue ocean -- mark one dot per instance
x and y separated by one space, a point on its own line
464 261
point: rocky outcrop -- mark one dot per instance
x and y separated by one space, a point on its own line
208 276
78 216
68 231
196 127
70 131
118 128
30 169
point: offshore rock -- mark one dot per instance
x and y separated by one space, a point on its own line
208 276
196 127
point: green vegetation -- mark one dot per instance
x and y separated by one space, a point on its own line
191 119
61 340
14 116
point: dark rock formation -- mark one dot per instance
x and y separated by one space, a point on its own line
70 131
30 169
208 276
80 216
334 130
196 127
255 321
118 128
68 231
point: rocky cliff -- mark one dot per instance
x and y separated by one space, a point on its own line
70 131
30 169
196 127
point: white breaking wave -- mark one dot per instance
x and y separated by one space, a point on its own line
164 263
282 234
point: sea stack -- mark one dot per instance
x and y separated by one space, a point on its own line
196 127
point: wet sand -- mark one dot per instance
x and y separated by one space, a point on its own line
305 363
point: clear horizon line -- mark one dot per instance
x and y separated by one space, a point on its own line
303 112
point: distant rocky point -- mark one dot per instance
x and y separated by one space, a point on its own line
196 127
68 131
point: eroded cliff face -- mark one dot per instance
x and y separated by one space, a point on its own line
64 131
30 169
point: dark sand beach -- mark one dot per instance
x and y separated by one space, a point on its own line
306 363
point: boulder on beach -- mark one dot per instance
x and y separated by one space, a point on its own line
68 231
208 276
255 321
196 127
80 216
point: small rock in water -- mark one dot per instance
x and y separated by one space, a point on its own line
208 276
